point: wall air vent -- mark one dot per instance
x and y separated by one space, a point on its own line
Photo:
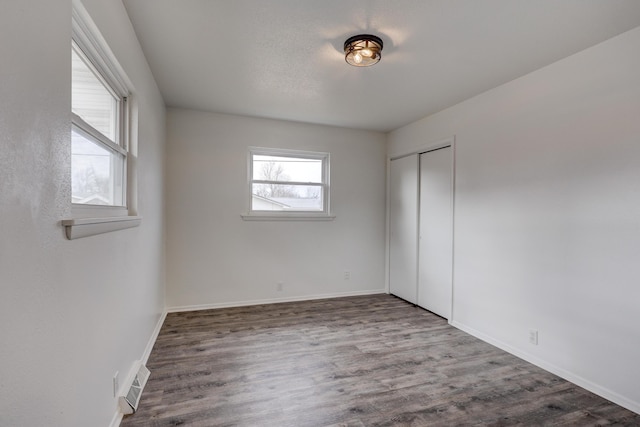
129 402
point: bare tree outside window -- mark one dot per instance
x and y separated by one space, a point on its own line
86 183
272 171
312 193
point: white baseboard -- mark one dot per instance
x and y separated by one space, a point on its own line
556 370
271 301
154 337
117 416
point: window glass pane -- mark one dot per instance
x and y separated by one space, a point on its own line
91 100
274 168
282 197
96 173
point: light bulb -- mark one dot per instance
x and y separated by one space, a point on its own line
367 52
357 58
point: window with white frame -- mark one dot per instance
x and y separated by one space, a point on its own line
99 132
286 182
102 177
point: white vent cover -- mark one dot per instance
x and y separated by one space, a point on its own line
129 403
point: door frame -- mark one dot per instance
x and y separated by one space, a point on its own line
419 149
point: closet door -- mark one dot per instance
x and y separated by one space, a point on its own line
436 232
403 228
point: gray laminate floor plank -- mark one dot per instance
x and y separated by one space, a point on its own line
357 361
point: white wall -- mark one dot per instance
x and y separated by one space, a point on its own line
215 258
72 313
547 214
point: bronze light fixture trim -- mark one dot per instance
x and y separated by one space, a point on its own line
363 50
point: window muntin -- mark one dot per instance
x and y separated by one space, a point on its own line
98 152
286 181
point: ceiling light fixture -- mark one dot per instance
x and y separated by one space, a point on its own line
363 50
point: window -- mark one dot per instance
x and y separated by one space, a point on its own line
288 183
98 135
100 122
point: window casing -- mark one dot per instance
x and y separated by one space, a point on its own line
287 183
102 184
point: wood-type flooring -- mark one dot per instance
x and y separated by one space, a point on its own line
357 361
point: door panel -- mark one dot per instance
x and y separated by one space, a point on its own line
403 228
436 232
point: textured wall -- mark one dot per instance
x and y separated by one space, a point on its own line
72 313
214 257
547 214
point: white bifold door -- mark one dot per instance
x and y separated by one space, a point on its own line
421 229
435 257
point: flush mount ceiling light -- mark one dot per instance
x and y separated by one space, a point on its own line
363 50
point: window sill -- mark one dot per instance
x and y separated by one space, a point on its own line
84 227
288 217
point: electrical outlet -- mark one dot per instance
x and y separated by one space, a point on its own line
533 336
280 286
347 275
116 383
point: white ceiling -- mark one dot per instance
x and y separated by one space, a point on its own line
283 59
